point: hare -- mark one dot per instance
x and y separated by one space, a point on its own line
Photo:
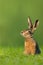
30 46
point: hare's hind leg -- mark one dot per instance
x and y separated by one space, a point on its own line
33 50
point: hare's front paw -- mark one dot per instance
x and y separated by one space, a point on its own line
25 53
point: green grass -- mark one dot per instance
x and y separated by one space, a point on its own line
15 56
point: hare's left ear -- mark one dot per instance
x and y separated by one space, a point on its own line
35 25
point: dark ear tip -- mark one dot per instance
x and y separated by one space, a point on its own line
28 16
37 20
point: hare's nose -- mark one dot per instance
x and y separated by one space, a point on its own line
21 32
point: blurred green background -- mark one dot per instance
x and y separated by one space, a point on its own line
13 19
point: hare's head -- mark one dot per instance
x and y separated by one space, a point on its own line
31 28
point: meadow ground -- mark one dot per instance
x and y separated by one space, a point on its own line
15 56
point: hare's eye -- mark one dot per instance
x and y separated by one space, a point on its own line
30 32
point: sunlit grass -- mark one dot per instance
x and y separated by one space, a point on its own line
15 56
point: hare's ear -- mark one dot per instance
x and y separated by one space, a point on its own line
29 23
35 24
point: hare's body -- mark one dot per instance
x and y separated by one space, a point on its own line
30 46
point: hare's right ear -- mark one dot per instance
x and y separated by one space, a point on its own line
35 24
29 23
